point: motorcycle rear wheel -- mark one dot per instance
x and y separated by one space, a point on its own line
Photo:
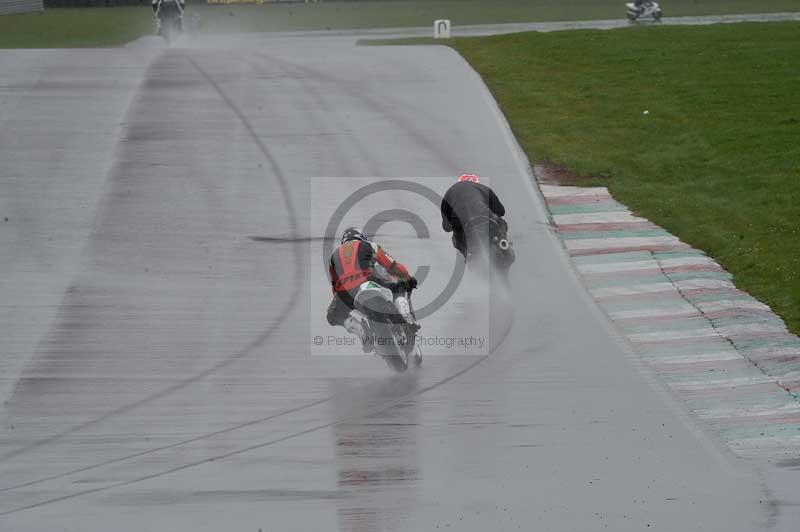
415 357
386 326
396 363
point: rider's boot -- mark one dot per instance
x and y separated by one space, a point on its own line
357 325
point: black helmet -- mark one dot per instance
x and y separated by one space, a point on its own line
351 233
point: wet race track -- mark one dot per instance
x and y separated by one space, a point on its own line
164 289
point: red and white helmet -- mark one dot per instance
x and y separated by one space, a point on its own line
468 177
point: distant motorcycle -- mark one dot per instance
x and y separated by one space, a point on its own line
644 10
487 240
394 338
169 19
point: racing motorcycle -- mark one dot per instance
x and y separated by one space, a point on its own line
644 10
169 19
383 304
487 240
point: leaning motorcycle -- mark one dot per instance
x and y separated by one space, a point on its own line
169 19
488 243
394 337
644 10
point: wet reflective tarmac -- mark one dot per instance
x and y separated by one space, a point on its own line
167 285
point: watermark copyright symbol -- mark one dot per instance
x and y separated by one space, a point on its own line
374 223
318 340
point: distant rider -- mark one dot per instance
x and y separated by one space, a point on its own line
167 5
353 263
463 202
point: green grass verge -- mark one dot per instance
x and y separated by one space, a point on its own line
113 26
717 159
66 28
396 14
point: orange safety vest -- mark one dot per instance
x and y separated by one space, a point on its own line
351 275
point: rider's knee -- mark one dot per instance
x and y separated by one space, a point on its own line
337 312
332 315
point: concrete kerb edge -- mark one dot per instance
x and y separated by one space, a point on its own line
627 339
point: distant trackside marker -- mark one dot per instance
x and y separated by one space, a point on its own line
441 29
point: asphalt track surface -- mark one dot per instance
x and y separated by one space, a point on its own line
164 282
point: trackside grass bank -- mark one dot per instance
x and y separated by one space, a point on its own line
695 128
66 28
397 14
113 26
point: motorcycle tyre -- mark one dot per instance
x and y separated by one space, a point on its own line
382 328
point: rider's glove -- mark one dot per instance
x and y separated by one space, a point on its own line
412 283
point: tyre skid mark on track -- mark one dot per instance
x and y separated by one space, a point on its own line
365 97
168 391
256 343
166 447
318 98
381 408
377 410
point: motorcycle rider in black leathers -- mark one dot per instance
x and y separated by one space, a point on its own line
178 6
463 202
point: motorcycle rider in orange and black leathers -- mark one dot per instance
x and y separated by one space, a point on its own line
353 263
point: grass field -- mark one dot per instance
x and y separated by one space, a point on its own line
717 159
65 28
113 26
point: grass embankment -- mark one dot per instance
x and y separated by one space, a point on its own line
66 28
717 159
113 26
398 14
